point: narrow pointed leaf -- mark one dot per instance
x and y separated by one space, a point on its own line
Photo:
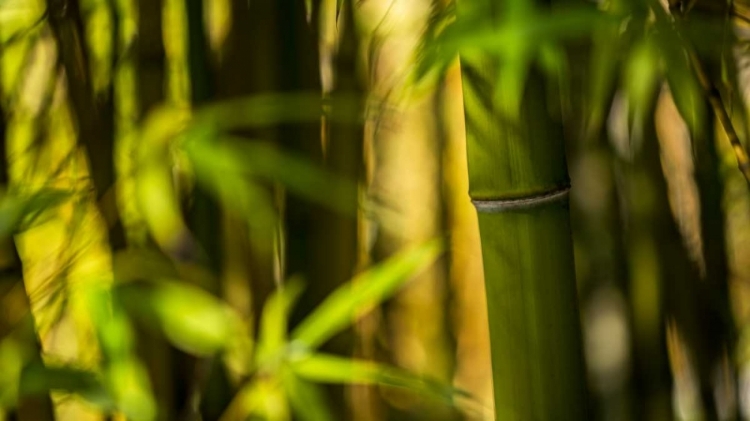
641 77
274 319
326 368
192 319
307 399
231 158
37 379
370 288
22 209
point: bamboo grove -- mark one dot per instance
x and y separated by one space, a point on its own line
521 210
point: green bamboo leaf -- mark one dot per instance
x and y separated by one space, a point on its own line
686 91
125 376
430 57
37 379
227 158
274 321
642 77
362 293
12 359
564 24
19 210
155 190
262 398
605 60
326 368
192 319
224 173
265 110
129 383
308 400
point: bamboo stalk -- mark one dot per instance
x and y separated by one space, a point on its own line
714 334
93 116
30 408
518 180
656 256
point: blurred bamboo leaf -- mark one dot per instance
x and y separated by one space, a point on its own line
223 174
685 88
472 33
324 368
125 376
12 359
266 110
274 321
17 210
366 290
192 319
127 379
605 61
235 158
261 399
37 379
308 400
641 78
156 194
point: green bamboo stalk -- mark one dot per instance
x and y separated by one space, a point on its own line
518 181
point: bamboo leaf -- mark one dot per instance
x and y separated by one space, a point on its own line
686 90
562 25
235 158
308 400
192 319
37 379
128 380
274 319
18 210
605 60
155 191
271 109
368 289
641 78
12 358
126 377
263 398
325 368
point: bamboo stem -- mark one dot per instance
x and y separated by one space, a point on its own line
518 177
30 408
94 117
717 105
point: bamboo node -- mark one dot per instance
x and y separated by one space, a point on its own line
522 203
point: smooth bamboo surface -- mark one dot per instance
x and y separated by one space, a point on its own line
538 367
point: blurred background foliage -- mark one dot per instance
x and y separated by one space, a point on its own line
231 210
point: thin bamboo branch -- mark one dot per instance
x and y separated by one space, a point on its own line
717 105
714 96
